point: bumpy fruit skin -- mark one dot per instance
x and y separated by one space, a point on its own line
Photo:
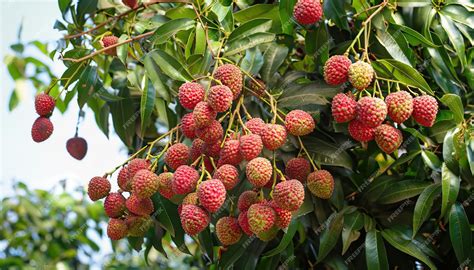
360 75
399 106
230 153
336 69
256 125
109 41
41 130
130 3
191 198
138 206
308 11
344 108
228 231
114 205
116 229
136 165
44 104
251 146
371 111
194 219
388 138
190 94
77 147
289 194
244 223
283 216
164 185
145 184
213 150
273 136
258 87
259 171
187 126
212 133
361 132
261 217
230 76
123 179
246 199
203 115
299 123
197 149
99 187
425 109
211 194
321 184
298 168
228 175
177 155
268 235
138 225
185 179
220 98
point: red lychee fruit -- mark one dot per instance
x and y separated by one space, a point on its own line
185 179
321 184
44 104
289 194
136 165
298 168
187 126
259 171
165 185
177 155
246 199
99 187
388 138
138 225
41 130
251 146
220 98
299 123
308 11
336 69
360 75
211 194
190 94
425 109
145 184
256 125
230 76
197 149
116 229
203 115
138 206
344 108
261 217
230 153
283 216
130 3
114 205
191 198
273 136
194 219
228 175
371 111
77 147
244 223
361 132
399 106
228 231
257 87
123 179
212 133
110 41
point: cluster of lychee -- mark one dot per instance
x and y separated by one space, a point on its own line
367 115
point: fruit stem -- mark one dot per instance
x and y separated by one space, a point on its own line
307 153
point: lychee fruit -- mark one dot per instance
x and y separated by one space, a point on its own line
388 138
114 205
130 3
298 168
212 133
197 149
273 136
255 125
336 69
220 98
289 194
244 223
251 146
44 104
299 123
116 229
165 184
360 75
425 109
259 171
283 216
230 153
99 187
344 108
136 165
191 198
308 11
399 106
371 111
257 87
321 184
177 155
194 219
145 184
213 150
187 126
41 130
228 175
77 147
261 217
108 41
211 194
139 206
246 199
228 231
203 115
360 131
230 76
138 225
185 179
123 180
190 94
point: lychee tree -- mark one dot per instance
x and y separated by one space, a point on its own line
294 134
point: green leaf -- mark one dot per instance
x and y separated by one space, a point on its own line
257 11
402 190
330 236
85 7
161 213
252 61
272 59
455 105
353 222
335 11
103 119
327 153
247 42
249 28
147 105
413 36
423 205
313 93
455 37
153 73
449 149
431 159
285 8
234 252
87 85
460 233
390 44
285 241
375 254
64 5
450 189
122 50
163 33
168 65
460 14
413 3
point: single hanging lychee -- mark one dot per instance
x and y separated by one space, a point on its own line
44 104
230 153
308 11
228 175
145 184
177 155
99 187
187 126
203 115
211 194
77 147
259 171
194 219
299 123
114 205
190 94
191 198
273 136
289 194
360 131
165 185
336 69
283 216
251 146
388 138
220 98
244 223
298 168
371 111
116 229
108 41
321 184
139 206
425 109
246 199
344 108
212 133
230 76
42 129
399 106
185 179
228 231
256 125
360 75
261 217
